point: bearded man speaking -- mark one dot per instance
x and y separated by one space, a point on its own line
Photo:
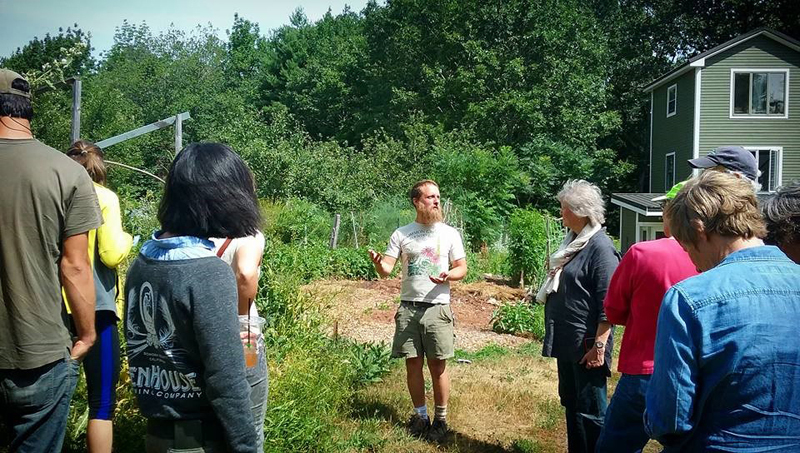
433 256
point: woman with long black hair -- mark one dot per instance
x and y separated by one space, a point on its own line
186 358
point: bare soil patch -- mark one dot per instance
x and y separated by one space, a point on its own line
364 310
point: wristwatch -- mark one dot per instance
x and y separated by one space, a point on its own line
599 345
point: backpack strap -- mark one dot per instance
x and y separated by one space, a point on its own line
224 247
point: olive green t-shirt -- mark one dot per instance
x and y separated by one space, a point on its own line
44 197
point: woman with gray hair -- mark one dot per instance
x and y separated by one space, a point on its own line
577 333
782 214
727 365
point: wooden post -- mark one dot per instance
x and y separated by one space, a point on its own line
178 134
335 230
355 232
75 130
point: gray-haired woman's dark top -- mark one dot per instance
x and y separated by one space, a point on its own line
574 310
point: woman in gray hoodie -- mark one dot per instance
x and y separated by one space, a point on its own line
186 360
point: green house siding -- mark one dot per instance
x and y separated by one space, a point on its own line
673 134
627 229
716 126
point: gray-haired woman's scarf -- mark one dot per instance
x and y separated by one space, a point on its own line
569 247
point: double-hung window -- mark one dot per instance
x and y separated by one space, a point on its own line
759 93
669 172
672 100
769 167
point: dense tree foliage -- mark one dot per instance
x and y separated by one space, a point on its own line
39 53
500 101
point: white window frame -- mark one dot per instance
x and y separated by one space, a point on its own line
785 115
651 227
778 167
667 184
671 88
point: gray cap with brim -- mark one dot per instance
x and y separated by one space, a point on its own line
734 158
7 78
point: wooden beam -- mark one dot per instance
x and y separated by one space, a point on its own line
60 84
142 130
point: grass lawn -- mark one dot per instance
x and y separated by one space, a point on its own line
506 400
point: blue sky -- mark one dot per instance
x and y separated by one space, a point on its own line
21 20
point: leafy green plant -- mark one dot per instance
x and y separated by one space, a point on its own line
298 220
351 263
519 318
493 261
370 362
531 236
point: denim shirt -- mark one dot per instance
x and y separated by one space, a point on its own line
727 358
177 248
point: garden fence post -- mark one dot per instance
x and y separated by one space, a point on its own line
75 130
355 232
178 134
335 230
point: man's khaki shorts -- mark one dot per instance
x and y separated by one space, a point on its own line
423 330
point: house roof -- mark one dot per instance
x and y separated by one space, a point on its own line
700 60
641 203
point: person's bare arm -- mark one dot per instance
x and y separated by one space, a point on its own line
245 265
595 357
457 272
78 283
383 264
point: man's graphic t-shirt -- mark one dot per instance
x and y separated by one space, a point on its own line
426 251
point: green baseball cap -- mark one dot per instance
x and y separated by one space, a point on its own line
7 78
672 192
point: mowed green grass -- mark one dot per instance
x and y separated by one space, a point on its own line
506 400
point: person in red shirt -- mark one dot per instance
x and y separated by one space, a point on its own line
634 296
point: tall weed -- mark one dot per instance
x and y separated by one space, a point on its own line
532 235
492 261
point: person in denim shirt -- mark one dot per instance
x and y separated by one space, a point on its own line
727 364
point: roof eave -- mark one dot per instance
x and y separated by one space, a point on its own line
700 60
674 74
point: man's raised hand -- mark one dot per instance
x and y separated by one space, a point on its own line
375 256
441 278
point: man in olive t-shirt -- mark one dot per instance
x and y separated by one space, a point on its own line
47 207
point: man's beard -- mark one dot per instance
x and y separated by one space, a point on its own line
430 216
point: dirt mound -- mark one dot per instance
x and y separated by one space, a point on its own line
364 310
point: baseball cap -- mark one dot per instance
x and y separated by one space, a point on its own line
7 77
733 158
672 192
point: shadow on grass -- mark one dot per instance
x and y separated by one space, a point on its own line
371 410
464 443
365 410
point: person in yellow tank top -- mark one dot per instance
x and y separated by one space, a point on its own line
108 246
